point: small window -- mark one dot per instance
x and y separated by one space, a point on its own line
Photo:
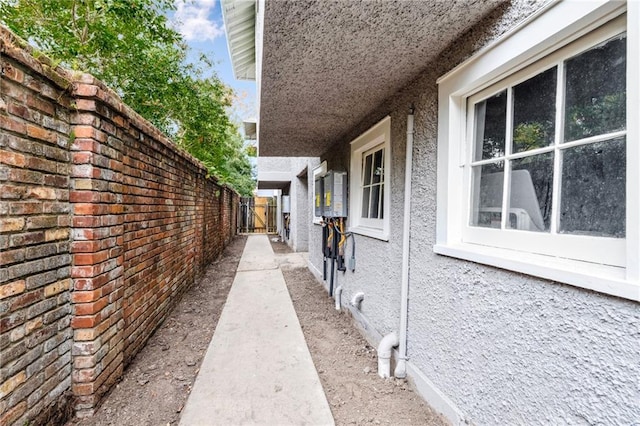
373 184
369 196
537 156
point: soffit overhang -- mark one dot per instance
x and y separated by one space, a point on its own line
327 64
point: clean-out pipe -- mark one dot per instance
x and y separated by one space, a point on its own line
338 295
385 347
357 299
401 366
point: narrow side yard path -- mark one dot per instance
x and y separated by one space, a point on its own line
157 383
258 369
347 364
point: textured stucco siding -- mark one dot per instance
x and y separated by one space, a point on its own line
504 348
300 206
274 164
378 263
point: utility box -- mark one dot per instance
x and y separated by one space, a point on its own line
318 199
286 204
335 194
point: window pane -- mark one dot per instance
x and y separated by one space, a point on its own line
365 202
534 111
375 202
593 198
487 195
490 127
382 201
366 174
378 169
596 90
531 193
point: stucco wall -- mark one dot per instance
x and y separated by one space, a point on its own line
505 348
300 226
285 172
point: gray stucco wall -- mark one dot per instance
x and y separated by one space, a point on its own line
300 206
290 173
505 348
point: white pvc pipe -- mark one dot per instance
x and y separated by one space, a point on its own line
401 366
338 294
385 347
357 299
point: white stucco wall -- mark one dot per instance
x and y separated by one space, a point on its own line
504 348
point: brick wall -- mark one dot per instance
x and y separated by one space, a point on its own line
104 223
35 263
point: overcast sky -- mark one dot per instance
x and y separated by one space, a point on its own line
202 26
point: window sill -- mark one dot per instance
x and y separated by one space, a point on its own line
370 232
604 279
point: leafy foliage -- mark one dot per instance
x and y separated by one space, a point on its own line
528 136
131 46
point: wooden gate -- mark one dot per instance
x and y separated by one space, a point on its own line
257 215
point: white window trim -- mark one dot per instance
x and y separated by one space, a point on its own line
378 135
318 171
550 29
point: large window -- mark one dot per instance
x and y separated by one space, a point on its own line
543 179
369 190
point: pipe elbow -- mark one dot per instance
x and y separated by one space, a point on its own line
357 299
385 347
387 343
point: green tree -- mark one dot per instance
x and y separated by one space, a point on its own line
131 46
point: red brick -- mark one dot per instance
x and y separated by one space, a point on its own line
84 197
91 307
88 321
85 246
12 289
85 105
41 104
85 296
41 193
86 221
80 144
12 191
87 90
11 224
13 414
12 158
90 258
13 73
37 132
25 208
12 125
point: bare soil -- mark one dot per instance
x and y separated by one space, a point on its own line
155 386
347 364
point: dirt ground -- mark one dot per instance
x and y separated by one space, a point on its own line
156 385
347 364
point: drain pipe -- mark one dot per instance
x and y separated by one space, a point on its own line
357 299
387 343
338 295
401 366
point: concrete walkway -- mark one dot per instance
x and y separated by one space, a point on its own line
257 369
